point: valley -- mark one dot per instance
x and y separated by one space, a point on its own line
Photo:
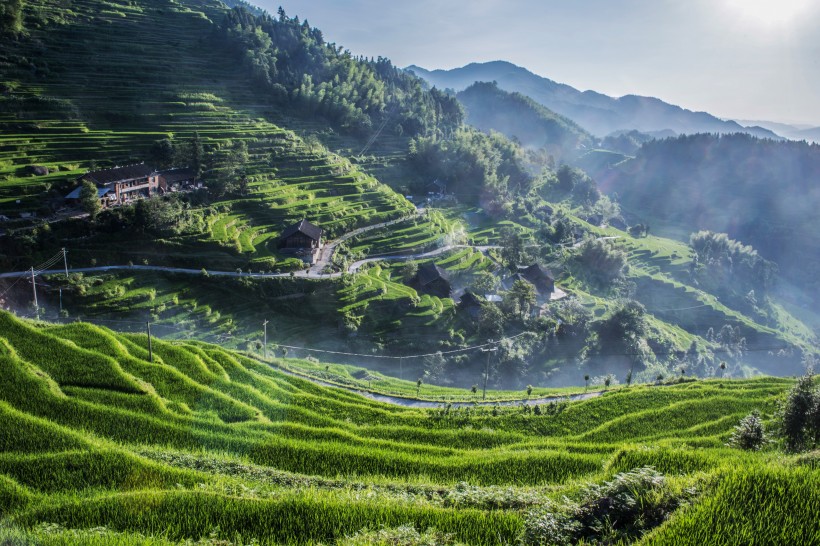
257 288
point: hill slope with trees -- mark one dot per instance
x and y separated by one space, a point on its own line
760 192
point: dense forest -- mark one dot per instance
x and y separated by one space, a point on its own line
476 167
293 64
760 192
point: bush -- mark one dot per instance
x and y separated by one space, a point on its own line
623 509
799 416
749 433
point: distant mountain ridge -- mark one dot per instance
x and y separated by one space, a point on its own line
517 116
597 113
794 132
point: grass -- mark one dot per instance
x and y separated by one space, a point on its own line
221 445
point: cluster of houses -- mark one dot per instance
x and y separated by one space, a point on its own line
541 280
122 185
432 279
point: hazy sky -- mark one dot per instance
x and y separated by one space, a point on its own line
747 59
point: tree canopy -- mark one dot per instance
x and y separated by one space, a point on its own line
292 63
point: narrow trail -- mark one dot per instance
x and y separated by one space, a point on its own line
415 403
316 271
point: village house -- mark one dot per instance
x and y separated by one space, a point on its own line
120 185
178 179
540 278
302 239
123 185
471 304
433 280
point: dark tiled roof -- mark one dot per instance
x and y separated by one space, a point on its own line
117 174
517 277
470 300
431 273
304 227
536 273
177 175
101 192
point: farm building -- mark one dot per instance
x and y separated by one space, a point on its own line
178 179
433 280
302 235
471 304
539 277
303 239
124 184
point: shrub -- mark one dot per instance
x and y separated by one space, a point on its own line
623 509
799 416
405 535
749 433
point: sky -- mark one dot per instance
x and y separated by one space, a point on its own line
738 59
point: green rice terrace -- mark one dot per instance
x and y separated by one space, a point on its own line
106 439
82 108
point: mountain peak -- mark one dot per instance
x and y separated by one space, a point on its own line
598 113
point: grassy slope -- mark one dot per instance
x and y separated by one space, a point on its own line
82 104
215 439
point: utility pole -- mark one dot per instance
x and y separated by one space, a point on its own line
150 349
34 287
487 369
401 371
65 263
265 344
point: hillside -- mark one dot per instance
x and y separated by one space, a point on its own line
104 441
282 125
595 112
760 192
516 116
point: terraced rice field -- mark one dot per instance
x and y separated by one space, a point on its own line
83 111
193 441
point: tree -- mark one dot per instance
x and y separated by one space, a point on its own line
798 416
418 386
164 153
586 382
11 16
409 271
512 251
490 321
434 366
749 433
520 298
90 199
197 155
601 260
484 282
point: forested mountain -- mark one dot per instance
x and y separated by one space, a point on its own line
292 63
490 108
760 192
595 112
